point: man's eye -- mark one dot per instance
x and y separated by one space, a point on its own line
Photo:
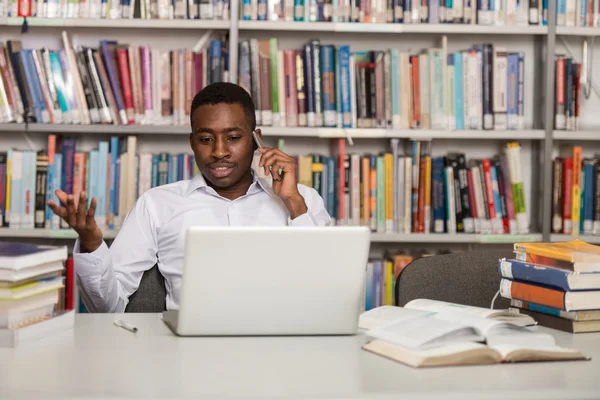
234 138
204 140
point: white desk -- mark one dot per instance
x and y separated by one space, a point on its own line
99 360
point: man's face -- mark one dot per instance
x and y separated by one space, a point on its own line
222 143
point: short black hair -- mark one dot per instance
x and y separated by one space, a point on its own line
225 92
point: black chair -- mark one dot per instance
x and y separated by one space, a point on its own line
469 278
150 297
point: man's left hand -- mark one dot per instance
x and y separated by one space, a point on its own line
282 169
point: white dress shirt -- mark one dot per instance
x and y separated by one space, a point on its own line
154 232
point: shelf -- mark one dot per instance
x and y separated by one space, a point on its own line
111 129
576 135
12 127
579 31
119 23
46 233
452 238
325 133
375 237
391 28
565 238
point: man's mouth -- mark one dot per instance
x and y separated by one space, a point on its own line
220 171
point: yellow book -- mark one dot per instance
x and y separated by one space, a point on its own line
576 193
391 276
575 255
388 160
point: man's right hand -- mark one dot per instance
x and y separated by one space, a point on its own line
81 220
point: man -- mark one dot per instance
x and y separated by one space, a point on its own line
226 192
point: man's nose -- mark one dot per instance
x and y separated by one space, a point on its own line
220 149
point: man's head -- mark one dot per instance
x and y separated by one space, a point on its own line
222 119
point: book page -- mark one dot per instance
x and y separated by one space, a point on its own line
445 307
424 331
379 316
519 337
514 353
442 306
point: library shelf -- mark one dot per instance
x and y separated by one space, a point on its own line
118 23
325 133
12 127
557 237
44 233
390 28
452 238
375 237
577 135
577 31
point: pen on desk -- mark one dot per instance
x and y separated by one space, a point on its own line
123 325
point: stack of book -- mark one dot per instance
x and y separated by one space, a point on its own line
558 284
430 333
30 284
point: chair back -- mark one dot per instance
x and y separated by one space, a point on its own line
150 297
469 278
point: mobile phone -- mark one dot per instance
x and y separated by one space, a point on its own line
276 176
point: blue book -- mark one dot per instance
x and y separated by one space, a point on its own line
327 85
565 280
437 193
17 256
345 87
512 90
309 82
369 287
458 91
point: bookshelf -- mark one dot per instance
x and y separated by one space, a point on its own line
375 28
539 138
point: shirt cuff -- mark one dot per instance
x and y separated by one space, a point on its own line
89 263
305 219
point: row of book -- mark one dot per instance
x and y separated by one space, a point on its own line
509 13
558 284
390 192
567 101
114 84
575 193
34 290
324 85
381 276
577 13
119 9
416 192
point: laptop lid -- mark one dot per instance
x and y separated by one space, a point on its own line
273 280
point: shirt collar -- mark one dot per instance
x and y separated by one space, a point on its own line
198 182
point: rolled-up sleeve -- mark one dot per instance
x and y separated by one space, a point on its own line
316 215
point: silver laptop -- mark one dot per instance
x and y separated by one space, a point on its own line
271 281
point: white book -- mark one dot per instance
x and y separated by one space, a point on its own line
500 87
571 16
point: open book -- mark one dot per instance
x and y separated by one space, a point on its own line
381 315
422 338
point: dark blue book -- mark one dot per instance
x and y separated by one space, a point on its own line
17 256
536 274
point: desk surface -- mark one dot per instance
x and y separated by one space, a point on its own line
99 360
